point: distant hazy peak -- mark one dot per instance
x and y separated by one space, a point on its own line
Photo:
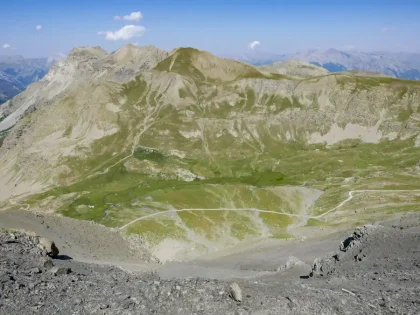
402 65
295 68
95 51
11 58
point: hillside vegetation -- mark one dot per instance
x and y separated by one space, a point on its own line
116 137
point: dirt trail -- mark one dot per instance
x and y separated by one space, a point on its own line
90 242
363 191
305 216
206 209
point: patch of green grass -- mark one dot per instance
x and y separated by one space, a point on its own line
3 117
315 222
155 231
149 154
405 113
7 230
402 92
182 62
276 220
67 132
241 226
198 222
183 93
134 90
252 73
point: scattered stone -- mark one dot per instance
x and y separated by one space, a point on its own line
322 267
58 271
235 292
103 306
291 262
46 262
349 292
78 301
34 270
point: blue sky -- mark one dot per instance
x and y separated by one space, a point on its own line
222 27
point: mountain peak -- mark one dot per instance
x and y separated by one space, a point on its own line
295 68
92 51
203 65
133 52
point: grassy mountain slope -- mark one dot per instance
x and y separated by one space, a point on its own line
196 132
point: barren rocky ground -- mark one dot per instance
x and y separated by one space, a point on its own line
374 270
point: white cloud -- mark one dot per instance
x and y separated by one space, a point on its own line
254 44
135 16
125 33
38 27
385 29
5 46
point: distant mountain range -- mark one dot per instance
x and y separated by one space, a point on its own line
17 72
398 65
142 132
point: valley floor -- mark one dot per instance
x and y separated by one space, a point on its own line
89 242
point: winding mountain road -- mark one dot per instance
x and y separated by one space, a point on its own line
218 209
351 196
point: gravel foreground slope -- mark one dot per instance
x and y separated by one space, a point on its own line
376 270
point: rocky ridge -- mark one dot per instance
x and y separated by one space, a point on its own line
384 281
83 65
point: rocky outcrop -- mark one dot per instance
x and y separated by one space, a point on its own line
383 283
365 243
349 249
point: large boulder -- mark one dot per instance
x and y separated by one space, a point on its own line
235 292
49 247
